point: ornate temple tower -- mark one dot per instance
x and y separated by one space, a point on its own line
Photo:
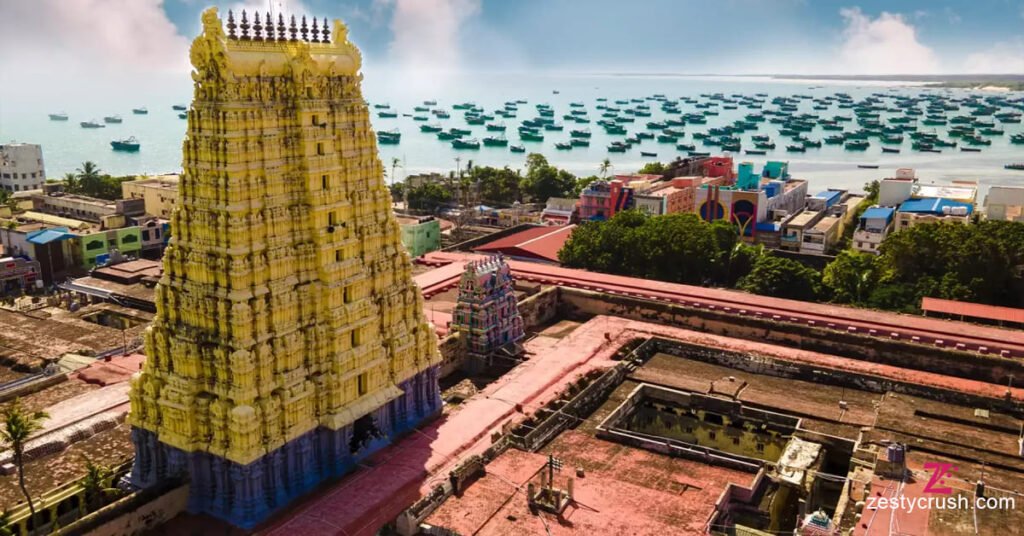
487 314
289 339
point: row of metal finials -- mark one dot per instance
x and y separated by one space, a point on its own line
260 35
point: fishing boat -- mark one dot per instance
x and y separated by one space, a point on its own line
430 102
617 147
648 154
857 145
517 148
796 149
755 152
496 127
582 133
140 111
431 127
526 135
1017 167
128 145
563 146
580 142
387 114
468 143
1017 139
420 118
61 116
867 166
970 150
686 147
890 150
179 107
112 119
389 137
495 141
92 124
183 115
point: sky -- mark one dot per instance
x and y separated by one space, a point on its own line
51 47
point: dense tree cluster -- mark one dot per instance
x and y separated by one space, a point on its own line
91 181
981 262
678 247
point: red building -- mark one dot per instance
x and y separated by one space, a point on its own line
603 200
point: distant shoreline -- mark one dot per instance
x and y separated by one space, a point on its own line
980 82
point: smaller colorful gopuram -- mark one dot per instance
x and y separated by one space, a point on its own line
487 313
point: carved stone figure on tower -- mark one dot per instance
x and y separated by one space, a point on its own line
274 337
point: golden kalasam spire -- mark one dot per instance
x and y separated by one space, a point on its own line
289 339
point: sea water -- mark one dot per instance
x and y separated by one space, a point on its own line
66 145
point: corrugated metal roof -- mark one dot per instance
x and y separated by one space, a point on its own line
49 235
975 310
542 243
879 213
932 205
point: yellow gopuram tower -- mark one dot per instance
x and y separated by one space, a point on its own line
289 339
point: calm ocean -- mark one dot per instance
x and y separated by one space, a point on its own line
66 145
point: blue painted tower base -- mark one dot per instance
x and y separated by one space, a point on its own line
245 495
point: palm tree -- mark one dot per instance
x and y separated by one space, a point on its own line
18 427
606 165
395 163
89 178
71 183
94 483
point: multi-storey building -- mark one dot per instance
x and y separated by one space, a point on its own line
603 200
289 340
159 193
21 167
875 224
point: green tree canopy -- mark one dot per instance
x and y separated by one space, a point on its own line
851 277
782 278
497 186
428 196
979 263
653 168
91 181
676 247
543 180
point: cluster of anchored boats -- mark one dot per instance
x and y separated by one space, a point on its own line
931 121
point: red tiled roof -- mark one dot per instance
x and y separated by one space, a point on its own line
974 310
540 243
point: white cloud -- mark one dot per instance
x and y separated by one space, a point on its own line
425 33
91 34
1002 58
887 44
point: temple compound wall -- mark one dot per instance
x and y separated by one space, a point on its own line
289 340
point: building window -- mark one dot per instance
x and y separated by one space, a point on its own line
145 235
357 339
332 218
735 441
314 120
94 245
337 255
348 294
712 435
361 384
320 149
129 239
760 447
323 182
